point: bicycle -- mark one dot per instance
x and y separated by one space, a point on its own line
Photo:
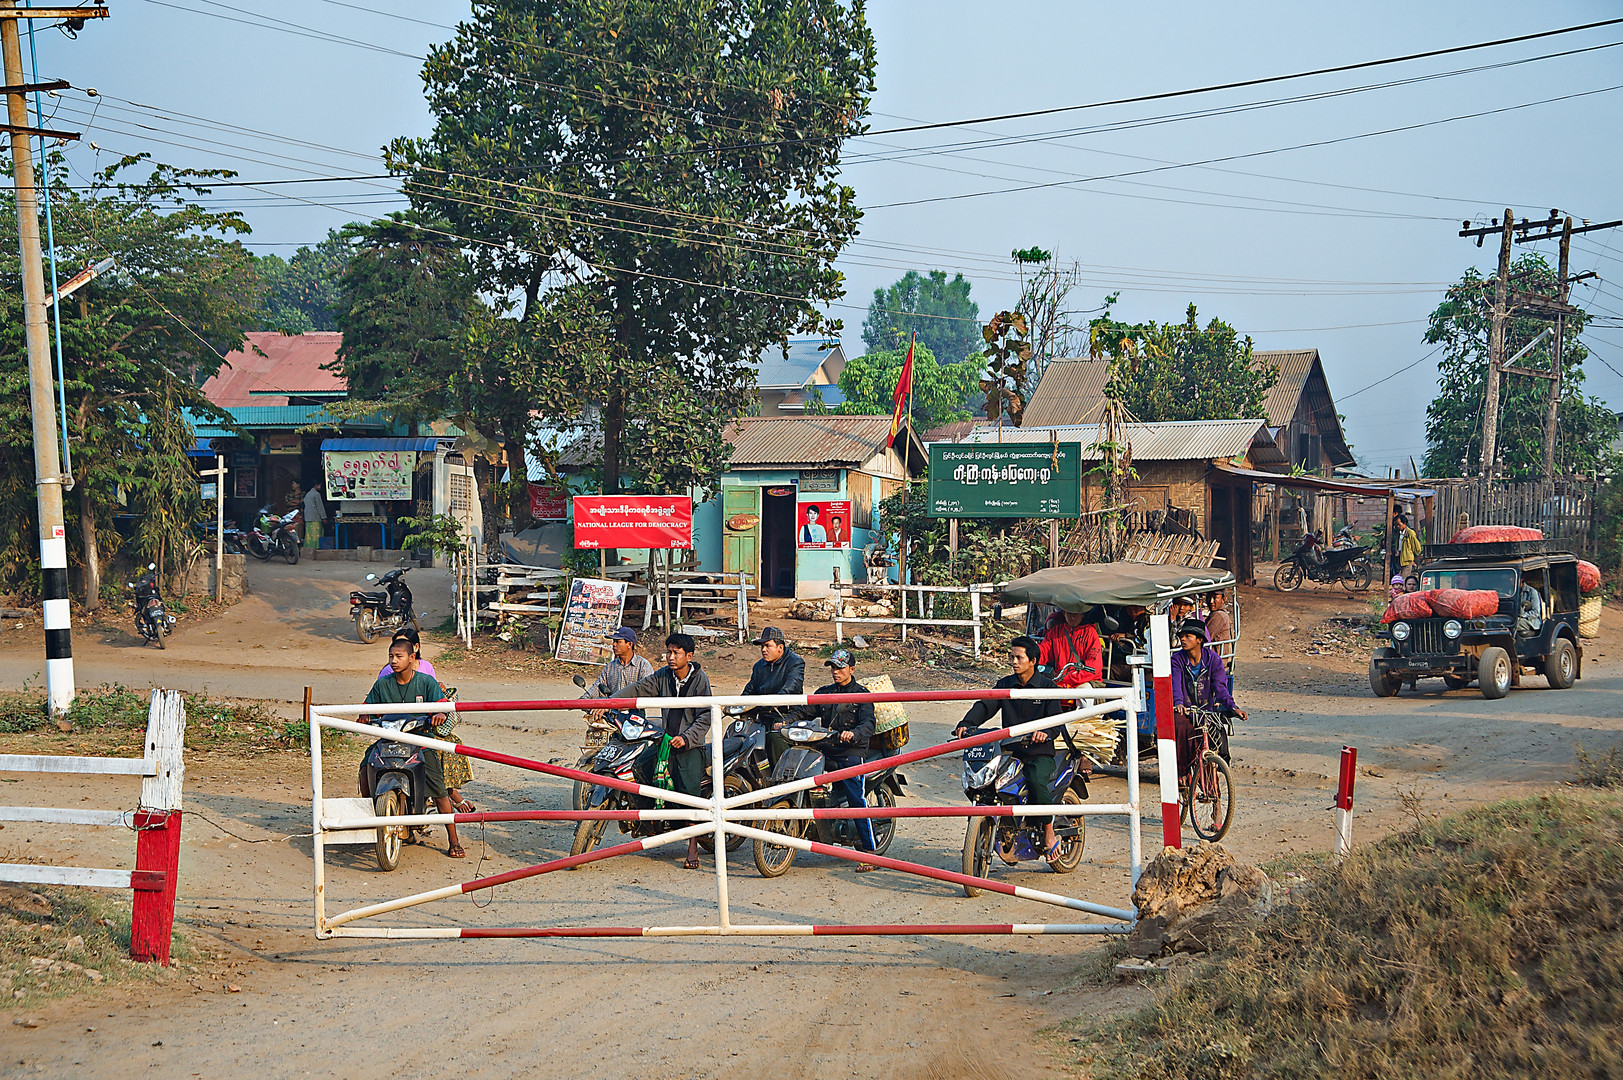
1207 792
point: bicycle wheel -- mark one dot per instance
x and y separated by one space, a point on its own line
1211 798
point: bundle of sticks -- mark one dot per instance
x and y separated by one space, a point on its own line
1096 735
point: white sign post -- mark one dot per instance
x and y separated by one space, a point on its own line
218 472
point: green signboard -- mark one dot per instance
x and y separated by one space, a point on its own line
1012 480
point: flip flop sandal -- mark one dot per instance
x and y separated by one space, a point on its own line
690 864
455 852
1053 853
867 868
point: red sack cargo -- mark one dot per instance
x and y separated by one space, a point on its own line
1588 577
1488 534
1465 603
1414 605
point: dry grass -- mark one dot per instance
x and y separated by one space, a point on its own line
1486 944
60 941
1605 771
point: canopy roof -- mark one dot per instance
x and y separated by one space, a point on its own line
1077 588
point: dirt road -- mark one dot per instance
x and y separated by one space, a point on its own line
928 1007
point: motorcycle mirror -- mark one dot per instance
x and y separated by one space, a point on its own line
578 681
152 566
371 577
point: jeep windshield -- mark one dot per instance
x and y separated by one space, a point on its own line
1501 581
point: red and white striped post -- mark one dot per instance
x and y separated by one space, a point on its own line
157 831
1166 743
1344 800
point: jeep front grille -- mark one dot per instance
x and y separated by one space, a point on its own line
1426 638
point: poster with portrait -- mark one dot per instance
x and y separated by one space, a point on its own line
591 614
823 525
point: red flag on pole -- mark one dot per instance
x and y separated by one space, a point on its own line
904 386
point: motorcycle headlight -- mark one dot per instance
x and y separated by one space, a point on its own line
632 728
979 776
1400 631
1452 628
803 734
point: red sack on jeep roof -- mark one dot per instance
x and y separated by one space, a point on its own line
1413 605
1488 534
1588 577
1465 603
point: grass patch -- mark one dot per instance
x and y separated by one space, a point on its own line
1605 771
111 714
1483 944
59 941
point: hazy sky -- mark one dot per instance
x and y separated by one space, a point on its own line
1344 247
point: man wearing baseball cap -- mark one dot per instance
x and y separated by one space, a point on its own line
624 667
780 670
853 724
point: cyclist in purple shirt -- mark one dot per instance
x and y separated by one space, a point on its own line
1198 678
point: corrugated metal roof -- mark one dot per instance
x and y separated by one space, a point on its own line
421 444
292 416
806 355
799 442
1071 392
274 364
1172 440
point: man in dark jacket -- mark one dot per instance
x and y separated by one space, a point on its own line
688 728
780 670
853 724
1036 752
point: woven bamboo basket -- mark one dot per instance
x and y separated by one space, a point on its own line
1589 616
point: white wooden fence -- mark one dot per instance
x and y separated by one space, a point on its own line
155 821
902 619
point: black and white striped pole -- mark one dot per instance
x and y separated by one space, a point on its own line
53 546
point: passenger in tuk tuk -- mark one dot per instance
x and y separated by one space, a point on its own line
1070 649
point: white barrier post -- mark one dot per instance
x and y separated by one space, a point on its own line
1344 801
718 793
1166 743
317 843
1135 839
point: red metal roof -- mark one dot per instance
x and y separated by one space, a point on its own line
271 366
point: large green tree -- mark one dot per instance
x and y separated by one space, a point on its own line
675 165
937 309
939 390
137 342
1181 371
301 291
1585 427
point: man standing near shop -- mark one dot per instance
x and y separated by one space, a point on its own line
315 517
780 670
688 728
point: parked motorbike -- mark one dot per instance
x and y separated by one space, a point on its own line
993 777
633 755
1312 562
377 611
805 758
232 541
393 775
152 622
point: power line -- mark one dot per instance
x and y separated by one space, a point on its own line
1395 374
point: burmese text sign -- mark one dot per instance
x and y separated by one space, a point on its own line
1014 480
548 503
591 615
369 475
633 521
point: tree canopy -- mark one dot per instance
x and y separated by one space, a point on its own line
137 343
300 291
1585 427
1181 371
939 390
670 171
938 310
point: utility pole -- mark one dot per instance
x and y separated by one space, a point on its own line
1552 410
48 476
1496 348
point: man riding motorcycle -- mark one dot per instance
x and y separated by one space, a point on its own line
853 723
780 670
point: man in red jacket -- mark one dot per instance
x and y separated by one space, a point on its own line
1071 650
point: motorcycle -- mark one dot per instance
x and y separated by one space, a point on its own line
633 755
993 777
394 777
601 724
805 757
1311 562
387 609
274 535
231 541
152 622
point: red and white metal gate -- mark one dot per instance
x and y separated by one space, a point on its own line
721 815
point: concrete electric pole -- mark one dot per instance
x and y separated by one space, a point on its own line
48 476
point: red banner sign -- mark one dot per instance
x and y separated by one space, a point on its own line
548 503
633 521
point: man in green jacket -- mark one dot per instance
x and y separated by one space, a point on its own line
405 685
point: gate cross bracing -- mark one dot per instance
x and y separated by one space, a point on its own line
722 815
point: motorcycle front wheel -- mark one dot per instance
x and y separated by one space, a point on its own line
1288 578
290 551
366 624
773 860
390 837
977 850
588 833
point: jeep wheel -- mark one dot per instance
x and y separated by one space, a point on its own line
1493 672
1383 684
1561 666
